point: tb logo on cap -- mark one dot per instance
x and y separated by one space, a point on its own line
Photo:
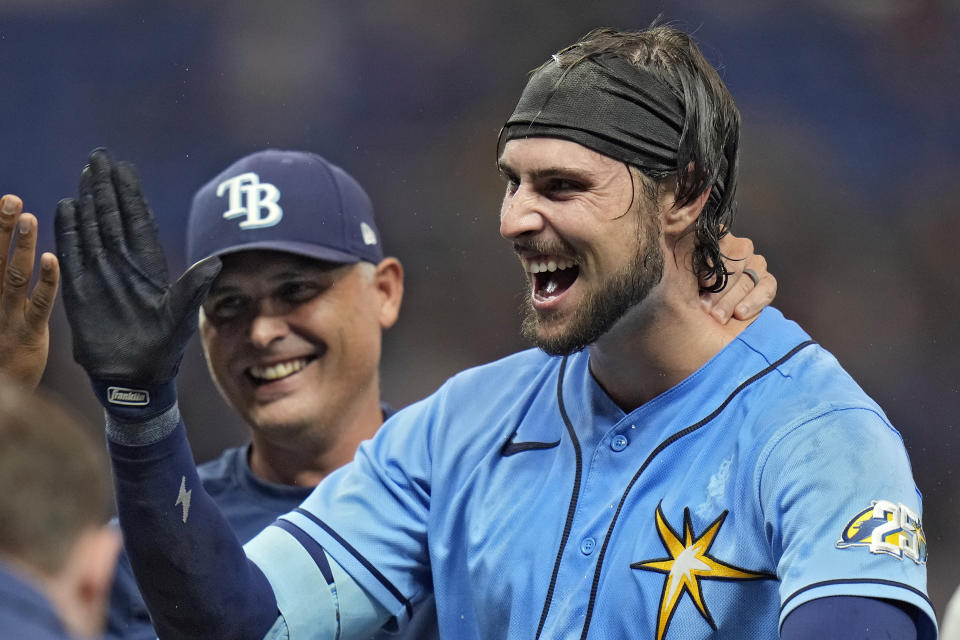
260 197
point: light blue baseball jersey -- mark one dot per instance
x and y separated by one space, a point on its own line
530 505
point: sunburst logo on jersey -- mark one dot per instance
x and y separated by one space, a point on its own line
689 563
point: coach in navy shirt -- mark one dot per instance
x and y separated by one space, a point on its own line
301 254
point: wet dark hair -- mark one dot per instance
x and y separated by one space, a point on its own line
707 157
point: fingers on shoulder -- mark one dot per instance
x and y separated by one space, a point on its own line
757 298
734 294
736 248
756 262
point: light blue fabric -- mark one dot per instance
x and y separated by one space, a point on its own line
307 604
746 478
278 631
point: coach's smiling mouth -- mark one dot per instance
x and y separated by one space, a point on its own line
278 370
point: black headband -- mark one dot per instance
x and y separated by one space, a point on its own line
606 104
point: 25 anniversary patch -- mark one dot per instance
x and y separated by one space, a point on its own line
887 527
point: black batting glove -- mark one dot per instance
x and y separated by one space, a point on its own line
130 324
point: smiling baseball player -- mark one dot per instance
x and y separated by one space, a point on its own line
646 472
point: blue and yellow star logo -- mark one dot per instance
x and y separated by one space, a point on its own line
689 563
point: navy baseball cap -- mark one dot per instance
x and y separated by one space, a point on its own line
291 201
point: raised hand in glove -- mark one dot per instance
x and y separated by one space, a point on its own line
130 324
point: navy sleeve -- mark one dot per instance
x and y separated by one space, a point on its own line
190 567
851 618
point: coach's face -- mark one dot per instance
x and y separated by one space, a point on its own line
587 237
293 342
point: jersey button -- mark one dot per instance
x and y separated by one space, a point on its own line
587 545
619 443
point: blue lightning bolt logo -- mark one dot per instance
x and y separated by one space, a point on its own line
183 498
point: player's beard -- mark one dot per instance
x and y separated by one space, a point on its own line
602 307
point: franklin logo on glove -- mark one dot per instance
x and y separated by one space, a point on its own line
128 397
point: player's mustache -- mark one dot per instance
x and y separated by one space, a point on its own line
544 247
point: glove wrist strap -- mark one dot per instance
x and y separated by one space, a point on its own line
135 403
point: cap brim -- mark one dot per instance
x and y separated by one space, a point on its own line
305 249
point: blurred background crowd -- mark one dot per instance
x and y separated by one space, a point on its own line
850 157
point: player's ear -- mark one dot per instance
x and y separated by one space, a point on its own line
677 220
388 280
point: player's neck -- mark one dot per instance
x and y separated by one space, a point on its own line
307 458
657 345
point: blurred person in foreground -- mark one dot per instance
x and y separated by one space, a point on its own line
24 319
645 472
57 552
291 330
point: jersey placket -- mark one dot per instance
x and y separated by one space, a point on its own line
613 447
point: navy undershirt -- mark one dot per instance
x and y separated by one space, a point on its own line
850 618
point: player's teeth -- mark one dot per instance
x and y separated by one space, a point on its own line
549 265
279 370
